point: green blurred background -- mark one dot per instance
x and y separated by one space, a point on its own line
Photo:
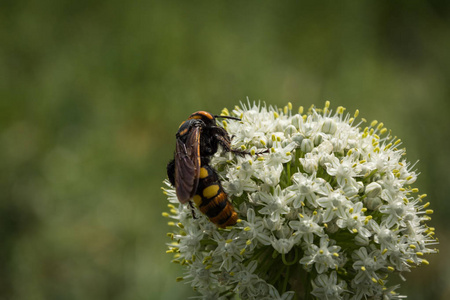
92 93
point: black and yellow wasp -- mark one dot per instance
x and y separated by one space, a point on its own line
197 139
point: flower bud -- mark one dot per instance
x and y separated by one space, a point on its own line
361 240
297 121
372 203
290 130
332 227
373 190
307 146
318 139
329 126
298 138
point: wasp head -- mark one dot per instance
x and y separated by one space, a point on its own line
208 118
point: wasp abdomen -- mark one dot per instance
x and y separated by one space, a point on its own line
212 200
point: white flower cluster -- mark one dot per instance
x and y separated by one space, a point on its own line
327 212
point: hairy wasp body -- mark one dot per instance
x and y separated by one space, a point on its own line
197 139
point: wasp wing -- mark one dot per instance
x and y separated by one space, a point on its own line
187 166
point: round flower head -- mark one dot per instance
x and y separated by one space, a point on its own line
326 207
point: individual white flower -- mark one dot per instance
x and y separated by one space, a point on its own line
269 175
254 228
389 293
366 288
283 245
323 256
327 287
190 243
355 220
280 155
275 295
335 205
343 170
239 177
396 210
307 188
228 250
307 228
386 238
275 205
367 264
203 278
248 284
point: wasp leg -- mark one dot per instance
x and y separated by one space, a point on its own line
192 210
226 145
244 152
262 152
240 152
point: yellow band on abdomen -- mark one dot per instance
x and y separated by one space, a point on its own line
211 191
203 173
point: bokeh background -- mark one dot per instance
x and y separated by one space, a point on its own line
92 93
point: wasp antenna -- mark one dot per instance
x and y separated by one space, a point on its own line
227 117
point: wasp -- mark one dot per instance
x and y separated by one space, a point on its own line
197 139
